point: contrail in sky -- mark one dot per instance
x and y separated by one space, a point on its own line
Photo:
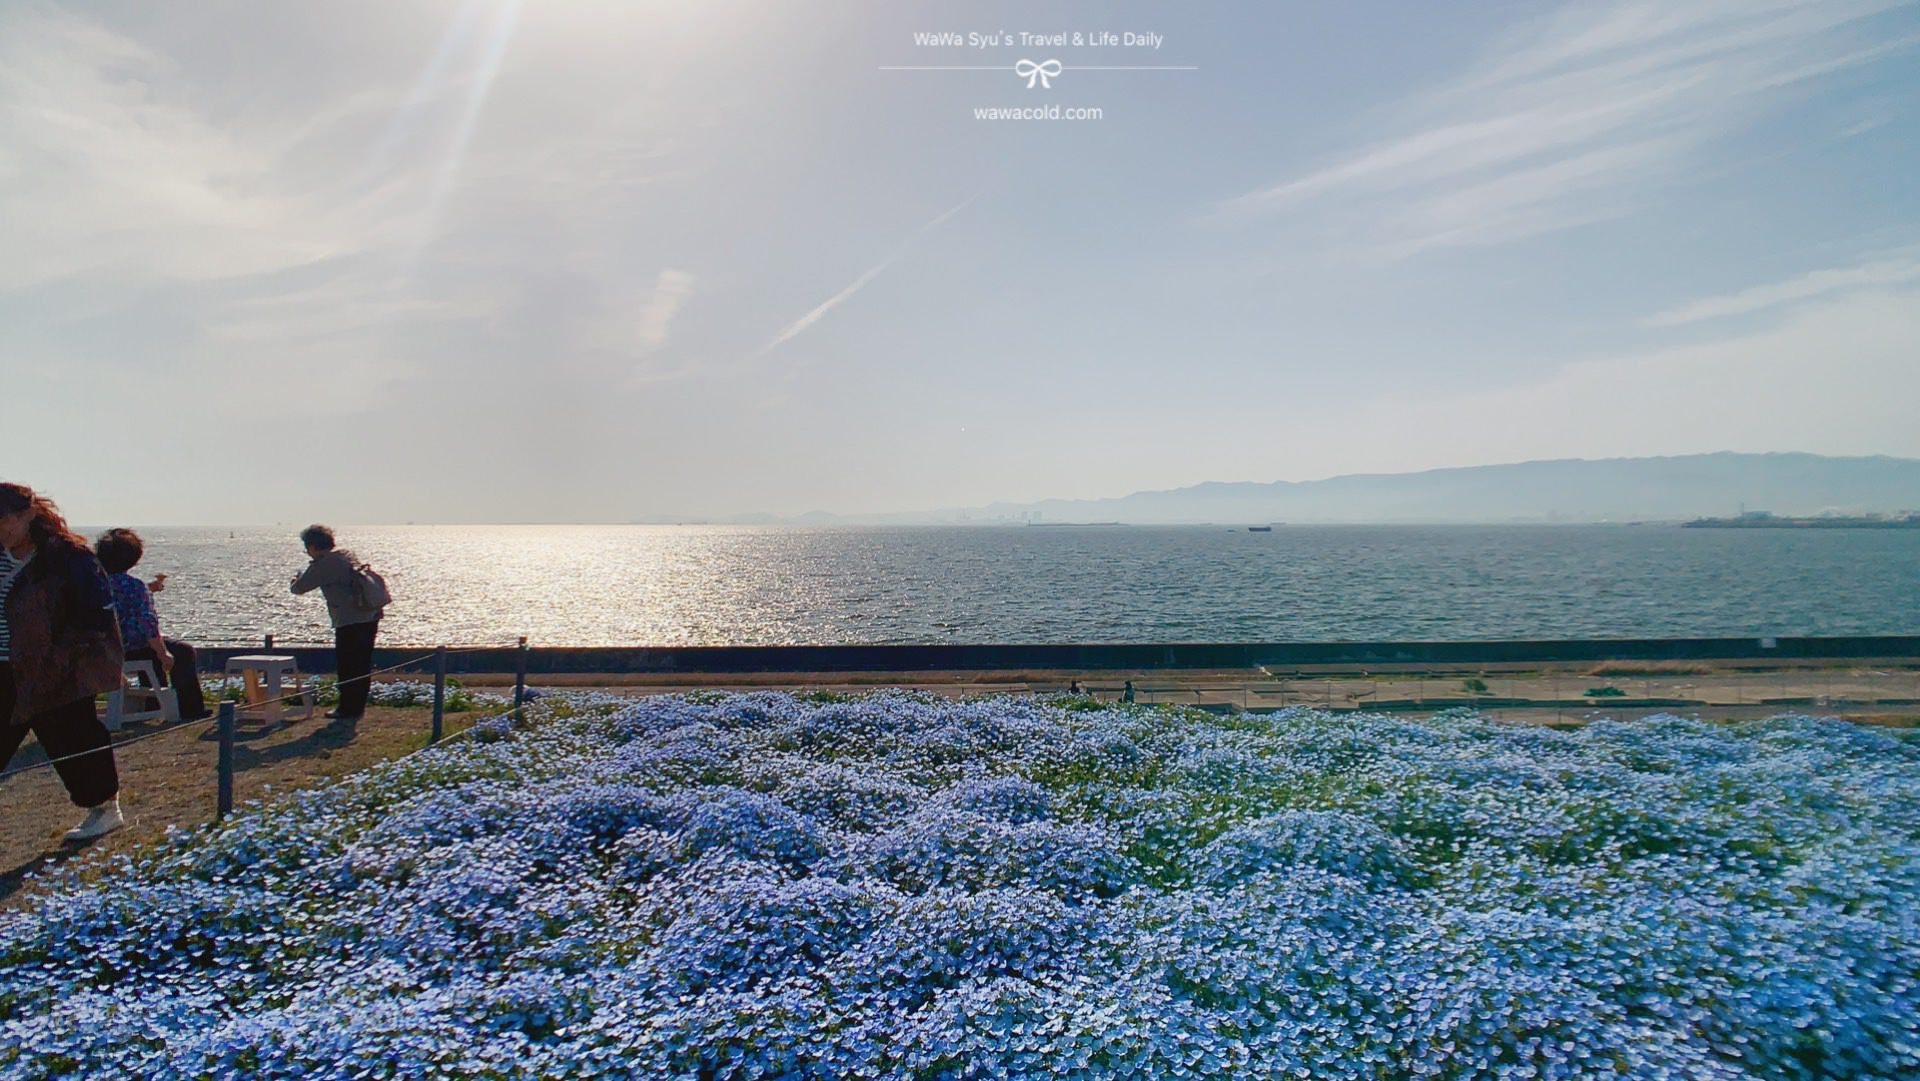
859 283
430 82
486 67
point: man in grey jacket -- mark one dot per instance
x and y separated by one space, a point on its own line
333 572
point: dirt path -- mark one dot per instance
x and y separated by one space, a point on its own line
1716 689
170 780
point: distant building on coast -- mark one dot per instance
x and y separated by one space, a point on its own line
1760 519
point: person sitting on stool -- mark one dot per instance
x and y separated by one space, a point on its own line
119 551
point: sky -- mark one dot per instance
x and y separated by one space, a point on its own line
612 260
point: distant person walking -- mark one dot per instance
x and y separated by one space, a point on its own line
355 599
175 661
59 647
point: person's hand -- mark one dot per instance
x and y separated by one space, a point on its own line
158 583
165 657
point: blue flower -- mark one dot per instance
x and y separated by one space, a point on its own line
897 886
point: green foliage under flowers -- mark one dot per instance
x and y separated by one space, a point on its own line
389 694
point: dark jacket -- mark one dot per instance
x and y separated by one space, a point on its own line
333 575
66 640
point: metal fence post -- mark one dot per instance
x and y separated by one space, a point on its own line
224 806
439 691
520 680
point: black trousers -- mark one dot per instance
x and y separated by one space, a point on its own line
64 731
353 657
184 679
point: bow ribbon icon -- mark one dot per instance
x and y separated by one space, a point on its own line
1041 73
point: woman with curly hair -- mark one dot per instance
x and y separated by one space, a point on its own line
59 648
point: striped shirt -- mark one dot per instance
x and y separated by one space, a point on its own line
9 569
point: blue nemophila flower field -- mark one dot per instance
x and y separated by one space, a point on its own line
759 886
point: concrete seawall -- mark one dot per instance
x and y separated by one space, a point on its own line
1093 657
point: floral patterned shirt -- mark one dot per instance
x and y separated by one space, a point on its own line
133 603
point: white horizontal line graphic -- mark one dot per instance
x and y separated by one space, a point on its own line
1066 67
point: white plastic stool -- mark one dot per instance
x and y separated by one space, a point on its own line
268 679
165 700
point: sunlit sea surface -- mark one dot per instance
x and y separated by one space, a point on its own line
728 585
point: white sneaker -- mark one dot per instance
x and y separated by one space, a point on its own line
99 822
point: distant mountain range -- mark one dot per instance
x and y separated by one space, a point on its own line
1563 490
